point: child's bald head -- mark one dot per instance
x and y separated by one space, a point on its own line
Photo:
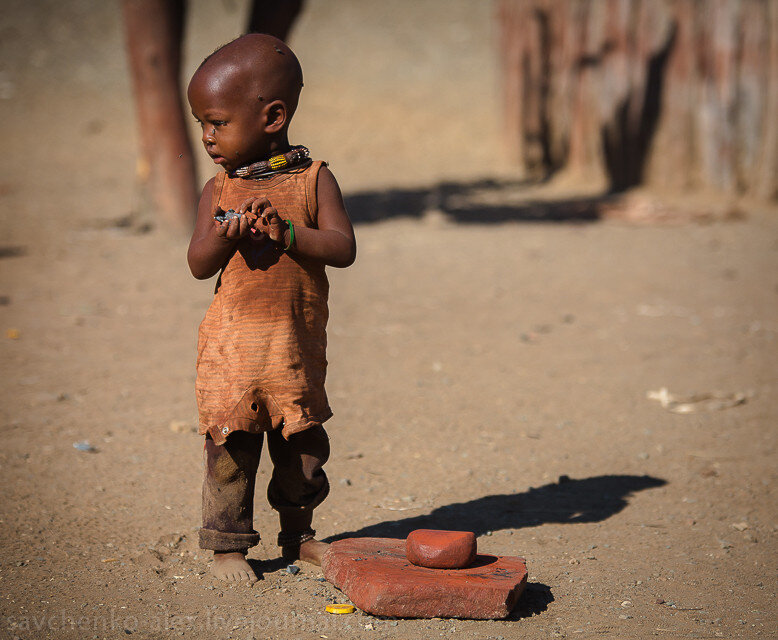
259 67
244 96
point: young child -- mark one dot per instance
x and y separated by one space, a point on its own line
261 349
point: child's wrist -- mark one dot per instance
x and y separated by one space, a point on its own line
287 238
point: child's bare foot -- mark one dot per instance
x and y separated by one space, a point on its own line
312 551
231 566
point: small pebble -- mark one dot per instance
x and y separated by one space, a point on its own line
293 569
180 426
84 445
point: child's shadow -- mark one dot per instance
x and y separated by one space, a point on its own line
259 254
567 501
263 567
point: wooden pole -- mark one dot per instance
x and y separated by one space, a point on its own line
153 30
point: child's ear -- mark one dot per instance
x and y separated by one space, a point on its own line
275 116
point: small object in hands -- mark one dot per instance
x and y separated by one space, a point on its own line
339 608
224 216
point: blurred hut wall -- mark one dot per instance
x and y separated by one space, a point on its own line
674 94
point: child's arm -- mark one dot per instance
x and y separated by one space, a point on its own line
213 242
332 242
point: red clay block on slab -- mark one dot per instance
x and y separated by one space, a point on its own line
437 549
377 577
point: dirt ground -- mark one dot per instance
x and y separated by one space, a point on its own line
491 353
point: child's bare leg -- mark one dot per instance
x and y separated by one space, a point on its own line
312 551
232 566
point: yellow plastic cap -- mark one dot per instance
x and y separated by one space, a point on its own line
340 608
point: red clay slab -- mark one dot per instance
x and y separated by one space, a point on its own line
441 549
376 576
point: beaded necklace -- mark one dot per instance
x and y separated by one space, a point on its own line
296 158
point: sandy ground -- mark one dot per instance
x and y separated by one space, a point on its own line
489 366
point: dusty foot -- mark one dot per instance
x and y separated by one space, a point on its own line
312 551
231 566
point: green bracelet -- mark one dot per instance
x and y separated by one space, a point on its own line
291 235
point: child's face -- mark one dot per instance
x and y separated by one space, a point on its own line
233 128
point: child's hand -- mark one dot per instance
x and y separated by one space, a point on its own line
266 220
273 225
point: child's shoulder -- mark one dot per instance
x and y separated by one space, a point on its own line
324 177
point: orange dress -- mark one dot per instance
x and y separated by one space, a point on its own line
261 353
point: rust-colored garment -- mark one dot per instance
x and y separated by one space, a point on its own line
261 353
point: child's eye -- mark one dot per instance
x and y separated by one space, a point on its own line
219 123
